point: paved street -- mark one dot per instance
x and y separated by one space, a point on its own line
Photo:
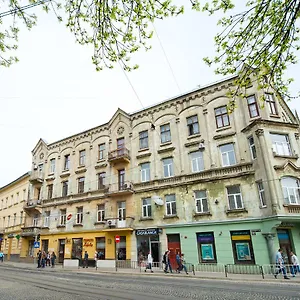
18 283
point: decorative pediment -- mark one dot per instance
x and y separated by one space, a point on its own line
288 164
41 144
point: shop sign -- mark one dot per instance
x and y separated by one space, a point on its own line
205 237
148 231
88 242
10 236
243 251
286 225
240 235
207 252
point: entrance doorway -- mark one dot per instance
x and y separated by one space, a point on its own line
285 244
61 250
174 247
77 249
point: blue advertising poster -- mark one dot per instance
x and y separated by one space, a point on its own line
243 251
207 252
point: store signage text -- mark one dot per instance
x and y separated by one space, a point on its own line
149 231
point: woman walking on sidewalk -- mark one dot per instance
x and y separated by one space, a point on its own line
149 263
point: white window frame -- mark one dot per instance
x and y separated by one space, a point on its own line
168 168
292 192
15 219
271 103
252 147
67 162
63 217
101 180
81 183
79 215
122 210
35 221
145 172
21 217
52 165
225 156
197 163
235 198
101 213
171 209
279 147
146 208
261 193
199 201
65 183
47 219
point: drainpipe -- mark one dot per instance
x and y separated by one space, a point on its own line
270 244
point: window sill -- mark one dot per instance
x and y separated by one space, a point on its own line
78 225
99 161
236 211
51 174
275 116
81 166
45 227
286 156
165 144
65 174
146 219
170 216
61 226
16 204
223 128
196 135
165 150
142 155
202 214
80 170
100 223
262 207
144 149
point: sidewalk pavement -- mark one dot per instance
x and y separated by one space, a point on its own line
156 272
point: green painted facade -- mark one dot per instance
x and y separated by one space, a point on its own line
222 238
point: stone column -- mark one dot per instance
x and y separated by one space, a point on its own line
270 244
268 168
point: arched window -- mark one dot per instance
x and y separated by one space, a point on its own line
291 190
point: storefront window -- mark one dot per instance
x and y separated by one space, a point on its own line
77 249
206 247
242 247
100 247
148 241
121 248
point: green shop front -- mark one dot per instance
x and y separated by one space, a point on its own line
235 242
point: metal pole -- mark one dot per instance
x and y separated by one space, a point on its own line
116 245
34 254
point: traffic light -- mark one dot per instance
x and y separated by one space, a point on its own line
38 237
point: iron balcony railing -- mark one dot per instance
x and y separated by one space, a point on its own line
121 153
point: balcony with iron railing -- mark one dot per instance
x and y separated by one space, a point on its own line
36 177
119 155
124 188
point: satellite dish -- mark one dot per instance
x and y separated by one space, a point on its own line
157 200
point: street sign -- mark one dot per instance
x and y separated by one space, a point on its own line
36 244
117 239
69 217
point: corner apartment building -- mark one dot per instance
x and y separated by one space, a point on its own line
183 175
13 196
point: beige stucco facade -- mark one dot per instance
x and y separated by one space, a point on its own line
207 166
13 196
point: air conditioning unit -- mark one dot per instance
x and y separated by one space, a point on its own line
111 223
201 146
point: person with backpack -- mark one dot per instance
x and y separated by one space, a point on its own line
1 256
178 261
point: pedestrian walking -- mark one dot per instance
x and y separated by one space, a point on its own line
43 260
1 256
39 258
183 263
178 261
96 258
280 268
48 259
295 267
53 258
149 262
166 261
85 260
